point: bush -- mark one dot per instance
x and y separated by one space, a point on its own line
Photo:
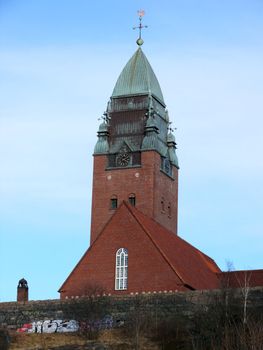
4 339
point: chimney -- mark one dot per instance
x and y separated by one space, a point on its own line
22 291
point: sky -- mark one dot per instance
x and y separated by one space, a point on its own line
59 62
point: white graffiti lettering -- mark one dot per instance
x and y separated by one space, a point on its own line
50 326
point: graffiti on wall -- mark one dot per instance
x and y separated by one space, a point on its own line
50 326
106 322
60 326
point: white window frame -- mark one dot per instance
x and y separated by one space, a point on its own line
121 271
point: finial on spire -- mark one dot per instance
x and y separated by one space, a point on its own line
105 117
170 128
141 13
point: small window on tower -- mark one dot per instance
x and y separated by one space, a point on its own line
132 199
169 210
114 202
162 205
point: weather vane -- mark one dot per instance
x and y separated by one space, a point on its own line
141 13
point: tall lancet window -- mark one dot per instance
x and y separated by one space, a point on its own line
121 276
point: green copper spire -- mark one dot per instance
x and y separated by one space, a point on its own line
138 78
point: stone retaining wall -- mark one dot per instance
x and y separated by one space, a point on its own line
14 314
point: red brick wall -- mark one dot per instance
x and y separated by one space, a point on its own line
147 271
147 182
167 189
22 294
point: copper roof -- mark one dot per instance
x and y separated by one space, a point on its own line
138 78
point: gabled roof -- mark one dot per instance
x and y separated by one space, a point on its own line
194 268
138 78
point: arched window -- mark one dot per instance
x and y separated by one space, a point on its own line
113 202
132 199
121 274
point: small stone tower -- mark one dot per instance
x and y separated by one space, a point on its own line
22 290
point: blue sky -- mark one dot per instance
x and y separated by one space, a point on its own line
59 61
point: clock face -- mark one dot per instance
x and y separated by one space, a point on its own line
123 159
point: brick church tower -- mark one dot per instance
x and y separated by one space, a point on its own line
134 243
134 158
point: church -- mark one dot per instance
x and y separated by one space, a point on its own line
134 245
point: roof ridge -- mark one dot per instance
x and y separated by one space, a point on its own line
146 63
155 244
256 270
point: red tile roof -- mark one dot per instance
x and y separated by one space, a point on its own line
194 268
243 278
